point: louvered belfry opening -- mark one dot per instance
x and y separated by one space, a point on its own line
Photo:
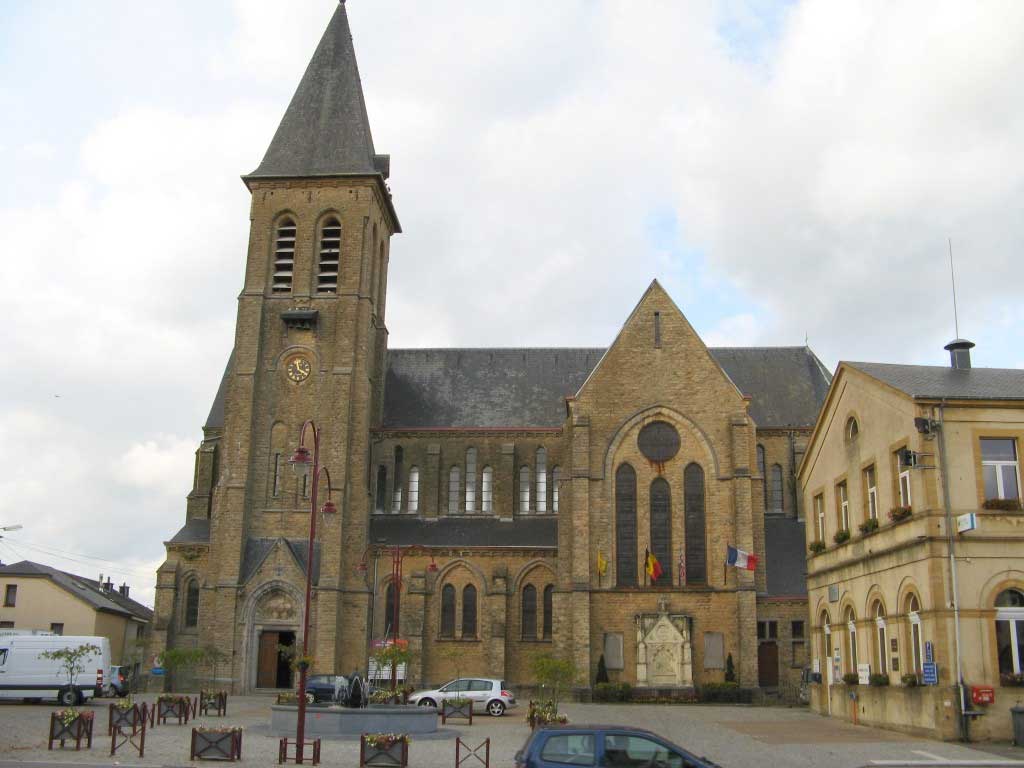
330 256
625 526
284 256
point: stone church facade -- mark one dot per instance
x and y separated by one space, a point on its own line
522 487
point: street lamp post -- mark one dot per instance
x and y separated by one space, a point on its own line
303 464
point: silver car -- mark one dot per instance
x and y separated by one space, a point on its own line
490 696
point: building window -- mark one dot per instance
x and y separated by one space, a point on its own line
762 470
767 630
284 257
693 518
57 627
448 611
529 612
775 500
524 488
881 631
542 480
796 634
6 625
903 481
454 486
11 596
819 516
487 491
625 526
916 642
471 480
549 592
192 603
843 500
414 489
825 652
661 526
999 468
851 634
277 474
852 430
871 495
382 488
469 611
396 495
556 477
390 606
330 256
1010 631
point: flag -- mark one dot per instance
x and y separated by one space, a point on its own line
602 564
652 566
740 559
682 567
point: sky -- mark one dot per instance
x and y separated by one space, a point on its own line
789 171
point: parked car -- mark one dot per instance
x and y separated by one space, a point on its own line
610 746
119 685
330 688
490 696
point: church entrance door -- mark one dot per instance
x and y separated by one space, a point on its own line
768 665
273 668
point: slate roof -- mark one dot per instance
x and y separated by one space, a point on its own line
930 382
85 589
257 550
785 556
195 531
325 130
527 387
529 532
215 420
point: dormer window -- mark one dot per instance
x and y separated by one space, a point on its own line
284 256
330 256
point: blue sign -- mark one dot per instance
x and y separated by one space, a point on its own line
931 673
928 653
156 671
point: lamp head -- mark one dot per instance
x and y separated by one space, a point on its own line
328 508
301 461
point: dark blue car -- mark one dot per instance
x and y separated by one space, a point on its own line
608 746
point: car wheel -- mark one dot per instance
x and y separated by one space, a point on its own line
496 708
428 703
67 697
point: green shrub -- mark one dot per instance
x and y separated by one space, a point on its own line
869 526
878 679
851 678
816 547
842 536
725 693
910 680
1005 505
613 692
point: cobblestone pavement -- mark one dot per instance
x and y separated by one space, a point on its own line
734 737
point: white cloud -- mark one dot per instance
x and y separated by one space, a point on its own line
157 465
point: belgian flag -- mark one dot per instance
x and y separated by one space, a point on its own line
652 566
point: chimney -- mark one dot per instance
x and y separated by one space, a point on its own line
123 590
960 353
108 586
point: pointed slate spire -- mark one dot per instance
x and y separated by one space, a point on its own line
325 131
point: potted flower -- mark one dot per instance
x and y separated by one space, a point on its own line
457 707
215 702
1012 680
291 697
877 679
816 547
910 680
842 536
851 678
71 724
217 743
1005 505
172 705
544 713
124 713
900 513
390 750
869 526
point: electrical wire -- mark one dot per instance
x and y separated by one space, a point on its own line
116 569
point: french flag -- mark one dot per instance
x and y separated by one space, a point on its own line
740 559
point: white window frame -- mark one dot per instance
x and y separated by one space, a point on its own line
844 506
487 491
916 642
819 511
524 489
905 499
882 630
556 476
454 488
998 465
871 481
470 480
827 647
1015 618
414 489
851 634
541 470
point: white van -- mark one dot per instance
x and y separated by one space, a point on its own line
24 674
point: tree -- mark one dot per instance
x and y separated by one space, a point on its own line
72 660
730 670
554 672
178 661
453 654
602 671
392 656
215 657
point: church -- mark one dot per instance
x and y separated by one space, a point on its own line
491 505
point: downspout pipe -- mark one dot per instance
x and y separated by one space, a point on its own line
951 547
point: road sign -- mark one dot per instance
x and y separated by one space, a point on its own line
931 673
156 671
966 522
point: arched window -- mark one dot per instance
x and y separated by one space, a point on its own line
487 490
471 480
825 652
448 611
916 642
696 547
454 483
524 488
775 503
390 605
469 611
851 634
625 526
762 470
382 488
556 477
882 631
549 592
661 527
542 480
414 489
330 256
1010 631
284 256
529 612
396 496
192 603
852 430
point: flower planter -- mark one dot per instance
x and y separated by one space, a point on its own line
213 702
135 738
384 750
126 718
178 707
457 708
216 744
68 725
312 756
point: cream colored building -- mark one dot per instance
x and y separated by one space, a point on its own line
37 597
901 455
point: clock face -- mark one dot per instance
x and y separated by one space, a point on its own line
298 369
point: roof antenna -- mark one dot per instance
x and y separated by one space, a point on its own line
952 279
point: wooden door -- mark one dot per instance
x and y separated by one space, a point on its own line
266 671
768 665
